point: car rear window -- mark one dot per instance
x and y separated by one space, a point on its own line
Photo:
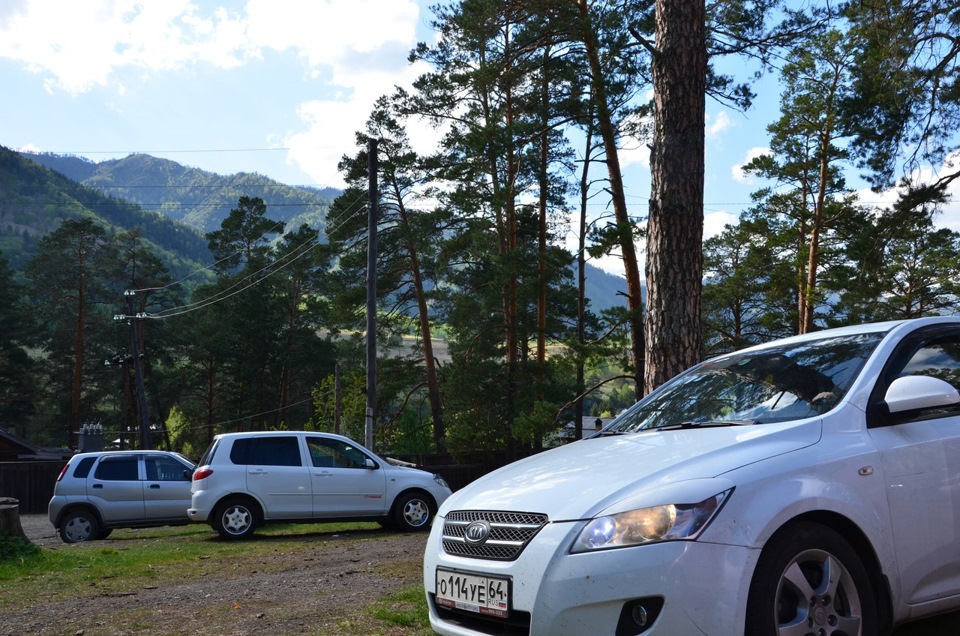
83 467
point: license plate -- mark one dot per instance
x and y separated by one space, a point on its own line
488 595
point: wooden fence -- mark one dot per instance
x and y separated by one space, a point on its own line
30 482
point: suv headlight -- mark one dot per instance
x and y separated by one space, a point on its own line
646 525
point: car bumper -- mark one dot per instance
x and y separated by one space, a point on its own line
703 586
201 504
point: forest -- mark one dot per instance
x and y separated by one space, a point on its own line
486 340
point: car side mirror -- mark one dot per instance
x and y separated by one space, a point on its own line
913 392
372 465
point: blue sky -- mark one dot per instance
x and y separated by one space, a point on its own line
276 87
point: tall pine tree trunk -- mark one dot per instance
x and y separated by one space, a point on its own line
631 267
675 228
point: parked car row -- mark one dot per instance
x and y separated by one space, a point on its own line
243 481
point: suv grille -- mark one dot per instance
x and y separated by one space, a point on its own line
510 532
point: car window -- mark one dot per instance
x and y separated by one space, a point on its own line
334 453
165 469
267 451
775 384
209 453
83 467
939 358
117 469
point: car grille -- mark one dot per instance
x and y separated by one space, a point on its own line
510 532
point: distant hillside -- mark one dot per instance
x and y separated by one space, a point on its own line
34 200
198 198
174 194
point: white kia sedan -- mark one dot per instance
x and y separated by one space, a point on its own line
806 486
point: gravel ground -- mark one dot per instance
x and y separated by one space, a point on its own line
307 590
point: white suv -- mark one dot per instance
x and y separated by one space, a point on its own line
805 486
97 492
248 479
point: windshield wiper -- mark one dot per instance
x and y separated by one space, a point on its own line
707 424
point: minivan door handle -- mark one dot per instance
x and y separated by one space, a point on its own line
98 485
155 486
258 471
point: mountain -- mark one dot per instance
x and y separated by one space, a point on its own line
34 200
175 205
192 196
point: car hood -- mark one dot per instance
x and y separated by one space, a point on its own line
579 480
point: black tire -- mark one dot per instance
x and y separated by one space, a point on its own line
413 512
235 518
810 576
79 526
104 533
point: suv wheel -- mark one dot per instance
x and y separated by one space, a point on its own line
235 518
412 512
79 526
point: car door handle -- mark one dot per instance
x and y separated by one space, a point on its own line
155 486
322 474
258 471
98 485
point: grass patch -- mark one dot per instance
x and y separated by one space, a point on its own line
139 558
401 614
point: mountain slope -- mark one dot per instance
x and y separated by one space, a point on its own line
35 200
195 197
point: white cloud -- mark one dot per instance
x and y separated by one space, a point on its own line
715 223
78 45
737 171
721 123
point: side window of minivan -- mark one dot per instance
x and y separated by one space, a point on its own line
117 469
267 451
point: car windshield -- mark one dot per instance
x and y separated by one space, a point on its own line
777 384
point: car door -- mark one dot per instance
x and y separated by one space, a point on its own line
343 483
276 474
166 491
116 488
921 462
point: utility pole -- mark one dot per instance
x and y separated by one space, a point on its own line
132 318
372 169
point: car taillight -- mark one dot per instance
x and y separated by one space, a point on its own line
202 473
63 472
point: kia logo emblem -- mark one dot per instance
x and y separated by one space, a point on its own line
477 532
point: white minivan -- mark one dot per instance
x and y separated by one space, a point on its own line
806 486
247 479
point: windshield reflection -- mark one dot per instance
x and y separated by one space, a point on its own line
777 384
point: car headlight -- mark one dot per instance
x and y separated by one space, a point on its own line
646 525
440 480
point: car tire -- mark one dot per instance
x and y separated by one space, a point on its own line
235 518
810 575
413 512
104 533
79 526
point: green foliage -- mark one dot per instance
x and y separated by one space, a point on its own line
16 549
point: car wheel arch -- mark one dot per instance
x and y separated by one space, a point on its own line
79 507
861 544
402 497
255 504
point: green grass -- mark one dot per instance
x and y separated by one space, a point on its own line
133 560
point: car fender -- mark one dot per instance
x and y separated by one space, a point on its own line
847 488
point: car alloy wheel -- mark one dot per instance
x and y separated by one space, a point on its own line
235 519
413 512
809 580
